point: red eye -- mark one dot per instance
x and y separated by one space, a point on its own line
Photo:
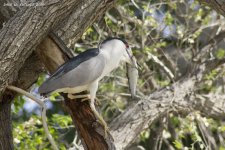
127 46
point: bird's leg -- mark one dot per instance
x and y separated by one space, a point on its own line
92 105
99 117
93 90
89 98
85 97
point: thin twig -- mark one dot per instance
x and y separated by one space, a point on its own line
166 69
43 112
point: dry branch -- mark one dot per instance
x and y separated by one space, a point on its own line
179 97
218 5
43 112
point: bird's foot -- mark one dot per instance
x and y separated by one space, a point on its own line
71 96
89 98
104 124
97 101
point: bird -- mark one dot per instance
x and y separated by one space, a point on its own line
84 71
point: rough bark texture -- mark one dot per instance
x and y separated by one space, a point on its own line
78 22
29 23
27 75
218 5
6 141
15 43
91 132
30 70
139 116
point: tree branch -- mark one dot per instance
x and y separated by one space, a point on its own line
29 23
43 112
179 97
217 5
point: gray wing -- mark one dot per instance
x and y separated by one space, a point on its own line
84 74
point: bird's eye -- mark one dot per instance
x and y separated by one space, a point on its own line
127 46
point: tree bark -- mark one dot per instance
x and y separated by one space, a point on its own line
27 75
178 97
91 132
127 126
217 5
6 140
29 23
15 47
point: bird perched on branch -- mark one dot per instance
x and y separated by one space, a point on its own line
84 71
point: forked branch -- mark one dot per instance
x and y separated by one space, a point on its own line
43 112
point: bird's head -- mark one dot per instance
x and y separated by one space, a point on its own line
121 46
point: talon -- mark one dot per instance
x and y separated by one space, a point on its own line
71 96
97 101
88 98
100 119
104 124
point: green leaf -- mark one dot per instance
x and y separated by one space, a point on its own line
222 148
220 53
18 104
178 144
168 19
222 128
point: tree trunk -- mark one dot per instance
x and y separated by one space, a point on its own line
6 140
29 23
27 75
15 47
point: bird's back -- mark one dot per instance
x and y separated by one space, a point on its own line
56 80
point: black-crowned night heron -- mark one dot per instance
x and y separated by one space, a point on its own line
84 71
